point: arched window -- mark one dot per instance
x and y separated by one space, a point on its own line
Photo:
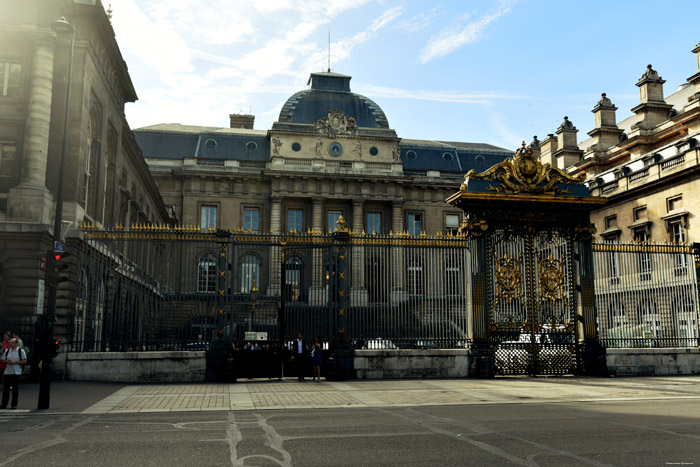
250 273
294 274
206 273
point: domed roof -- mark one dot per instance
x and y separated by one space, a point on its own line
328 92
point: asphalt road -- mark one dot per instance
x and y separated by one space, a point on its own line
648 432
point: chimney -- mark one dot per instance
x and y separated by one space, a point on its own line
548 147
694 100
606 134
242 121
568 152
652 108
535 146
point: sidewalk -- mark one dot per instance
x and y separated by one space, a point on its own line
263 394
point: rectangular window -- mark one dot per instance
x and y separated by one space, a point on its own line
414 278
644 258
415 224
10 77
333 217
251 219
295 222
8 165
451 223
374 223
452 273
208 217
678 237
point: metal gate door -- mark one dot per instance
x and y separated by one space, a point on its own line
532 302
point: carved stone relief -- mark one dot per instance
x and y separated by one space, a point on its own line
337 123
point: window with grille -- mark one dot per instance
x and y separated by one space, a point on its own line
10 78
295 222
208 217
206 273
415 224
374 223
414 278
251 219
250 273
333 217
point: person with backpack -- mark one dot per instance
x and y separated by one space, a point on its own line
5 345
14 358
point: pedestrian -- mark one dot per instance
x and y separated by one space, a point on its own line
14 358
299 357
5 345
20 342
316 353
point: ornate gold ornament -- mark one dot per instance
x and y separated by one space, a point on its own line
552 278
472 227
524 174
342 226
508 279
336 124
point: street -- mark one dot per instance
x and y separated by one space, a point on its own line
630 424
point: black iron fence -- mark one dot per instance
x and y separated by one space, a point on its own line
163 289
646 295
158 289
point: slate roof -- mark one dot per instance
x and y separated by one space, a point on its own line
418 155
166 142
331 91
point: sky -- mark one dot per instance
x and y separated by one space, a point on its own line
488 71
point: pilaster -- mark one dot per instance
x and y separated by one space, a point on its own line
31 201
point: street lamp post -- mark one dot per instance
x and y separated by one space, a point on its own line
62 28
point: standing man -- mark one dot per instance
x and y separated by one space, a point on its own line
299 354
14 358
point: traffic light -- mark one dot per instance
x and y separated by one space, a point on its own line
59 265
53 348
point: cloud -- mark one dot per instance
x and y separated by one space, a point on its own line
438 96
421 21
447 42
500 127
342 49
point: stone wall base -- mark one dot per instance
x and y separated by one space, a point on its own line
136 367
643 362
399 364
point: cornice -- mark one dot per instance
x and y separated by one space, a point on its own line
651 105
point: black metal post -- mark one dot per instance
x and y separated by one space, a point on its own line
60 27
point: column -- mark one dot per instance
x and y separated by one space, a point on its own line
358 291
398 272
30 200
275 252
318 295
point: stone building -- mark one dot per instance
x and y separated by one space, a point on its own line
331 153
647 165
106 180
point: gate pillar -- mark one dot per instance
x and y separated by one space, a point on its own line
593 355
341 362
533 309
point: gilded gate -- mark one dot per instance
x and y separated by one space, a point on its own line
532 288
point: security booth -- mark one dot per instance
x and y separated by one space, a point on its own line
531 277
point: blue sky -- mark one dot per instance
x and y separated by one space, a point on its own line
492 71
